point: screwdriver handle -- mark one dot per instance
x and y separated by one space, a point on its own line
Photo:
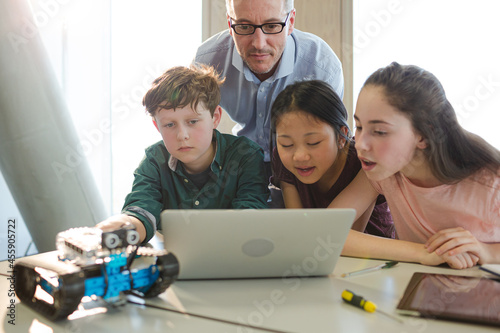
358 301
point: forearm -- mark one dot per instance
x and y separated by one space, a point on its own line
251 183
359 194
493 257
363 245
251 195
291 196
362 221
147 199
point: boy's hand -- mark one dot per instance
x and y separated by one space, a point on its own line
458 247
119 221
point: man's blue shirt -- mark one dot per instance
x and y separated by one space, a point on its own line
246 99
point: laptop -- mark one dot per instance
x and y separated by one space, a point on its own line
256 243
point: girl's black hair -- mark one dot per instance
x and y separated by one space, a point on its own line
315 98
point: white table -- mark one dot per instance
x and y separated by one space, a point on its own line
127 318
259 305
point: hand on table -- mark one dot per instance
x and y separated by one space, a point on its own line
457 247
459 261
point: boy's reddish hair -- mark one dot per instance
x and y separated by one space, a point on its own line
180 86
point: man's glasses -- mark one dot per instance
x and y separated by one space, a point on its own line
267 28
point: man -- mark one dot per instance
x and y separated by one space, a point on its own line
260 54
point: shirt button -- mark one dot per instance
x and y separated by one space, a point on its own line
220 167
196 203
260 115
186 181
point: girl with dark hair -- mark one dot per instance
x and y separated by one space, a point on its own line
315 158
441 182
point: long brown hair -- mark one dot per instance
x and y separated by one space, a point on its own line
453 153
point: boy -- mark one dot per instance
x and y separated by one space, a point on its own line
194 166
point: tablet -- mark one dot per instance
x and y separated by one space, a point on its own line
452 297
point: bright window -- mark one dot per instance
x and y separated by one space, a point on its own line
105 54
456 40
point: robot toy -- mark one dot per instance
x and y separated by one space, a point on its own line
96 264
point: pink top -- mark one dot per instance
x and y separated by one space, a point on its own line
419 212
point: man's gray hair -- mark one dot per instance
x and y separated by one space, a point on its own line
229 6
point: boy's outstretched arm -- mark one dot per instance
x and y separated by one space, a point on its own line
252 191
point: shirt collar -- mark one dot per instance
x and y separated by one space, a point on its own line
172 163
287 61
285 66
